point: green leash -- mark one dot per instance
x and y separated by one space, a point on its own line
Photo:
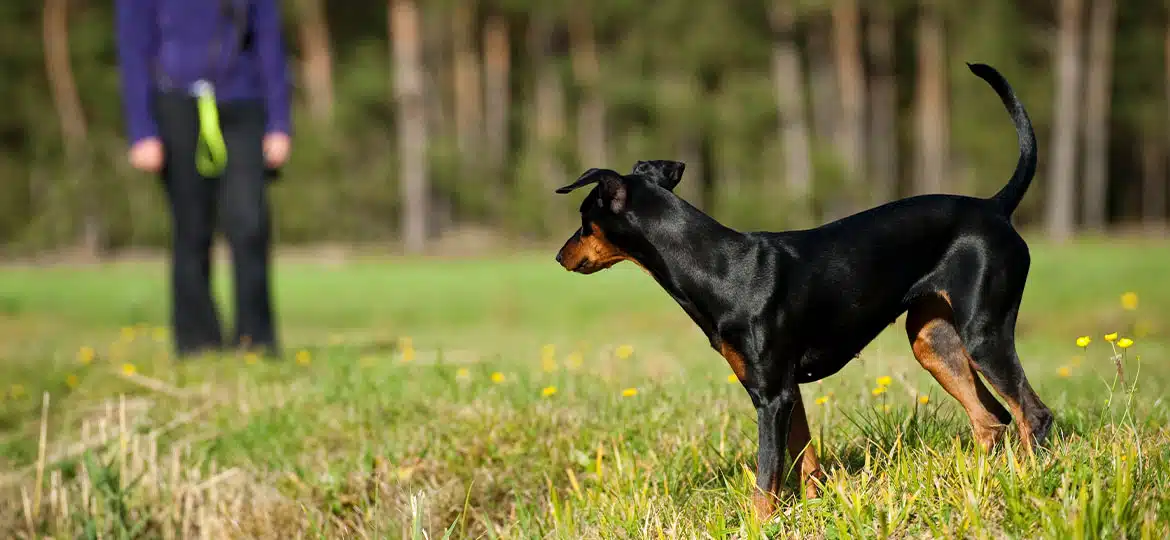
211 151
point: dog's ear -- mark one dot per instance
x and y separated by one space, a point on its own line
591 176
664 172
612 187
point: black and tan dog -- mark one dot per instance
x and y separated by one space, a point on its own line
786 308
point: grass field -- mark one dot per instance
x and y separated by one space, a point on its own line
505 397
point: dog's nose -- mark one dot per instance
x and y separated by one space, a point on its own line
559 258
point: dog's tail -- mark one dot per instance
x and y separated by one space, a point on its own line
1010 196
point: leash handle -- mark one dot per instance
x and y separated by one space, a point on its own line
210 151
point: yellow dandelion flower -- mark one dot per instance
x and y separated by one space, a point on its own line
732 378
71 381
884 380
574 360
85 355
404 473
497 377
251 358
548 391
1083 341
879 390
304 358
624 351
924 399
822 400
1111 337
128 369
1125 343
159 334
1064 371
629 392
886 408
548 351
548 365
1129 301
463 373
128 333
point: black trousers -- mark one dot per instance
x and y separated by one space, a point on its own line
238 203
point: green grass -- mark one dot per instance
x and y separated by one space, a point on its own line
356 437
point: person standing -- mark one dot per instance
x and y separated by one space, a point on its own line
206 99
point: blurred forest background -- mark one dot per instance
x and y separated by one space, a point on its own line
416 120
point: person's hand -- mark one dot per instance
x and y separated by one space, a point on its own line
147 155
276 147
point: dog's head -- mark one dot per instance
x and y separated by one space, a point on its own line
615 212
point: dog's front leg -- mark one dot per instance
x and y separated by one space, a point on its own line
775 420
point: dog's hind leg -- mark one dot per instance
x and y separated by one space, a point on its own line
987 321
937 346
993 350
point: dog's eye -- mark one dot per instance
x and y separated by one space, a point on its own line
600 202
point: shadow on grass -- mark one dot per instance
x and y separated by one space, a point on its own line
883 435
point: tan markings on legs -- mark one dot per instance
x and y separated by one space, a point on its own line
803 456
939 349
1011 384
802 451
1023 424
987 398
735 360
763 503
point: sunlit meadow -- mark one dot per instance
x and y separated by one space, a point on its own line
506 398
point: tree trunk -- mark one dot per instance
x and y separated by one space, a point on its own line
933 124
317 62
823 83
851 77
1166 46
497 92
690 152
790 105
591 131
438 72
549 105
468 92
709 84
1061 217
883 107
405 32
1099 76
824 97
74 132
1153 205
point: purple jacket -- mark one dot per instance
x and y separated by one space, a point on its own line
169 44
